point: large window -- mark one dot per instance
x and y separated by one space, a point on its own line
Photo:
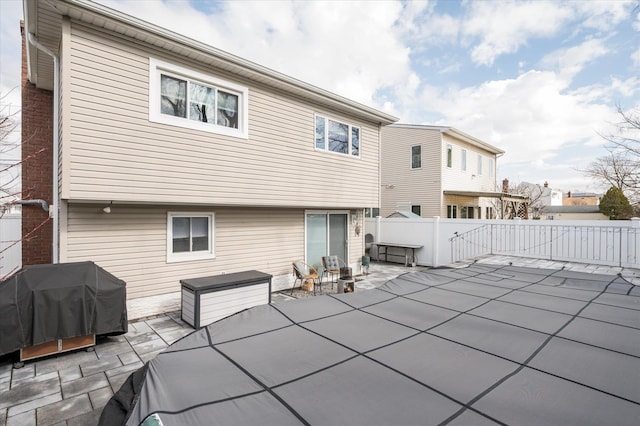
189 236
449 155
186 98
416 156
336 136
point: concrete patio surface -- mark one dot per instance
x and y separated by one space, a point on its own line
72 388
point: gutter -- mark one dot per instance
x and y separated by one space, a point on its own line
53 211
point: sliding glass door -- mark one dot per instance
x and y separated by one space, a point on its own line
326 235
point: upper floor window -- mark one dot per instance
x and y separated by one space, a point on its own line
182 97
479 165
416 156
491 167
335 136
189 236
449 155
463 160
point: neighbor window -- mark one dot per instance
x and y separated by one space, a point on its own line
416 156
189 236
452 212
489 211
416 210
463 160
466 212
182 97
491 167
336 136
479 165
371 212
449 155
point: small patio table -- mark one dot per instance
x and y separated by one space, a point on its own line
406 248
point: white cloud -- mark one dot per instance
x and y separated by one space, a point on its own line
505 26
531 117
635 57
570 61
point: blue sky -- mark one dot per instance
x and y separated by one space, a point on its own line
540 80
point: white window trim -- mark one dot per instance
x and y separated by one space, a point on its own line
189 256
411 160
446 154
156 67
480 164
326 134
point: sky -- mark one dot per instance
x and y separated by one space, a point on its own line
541 80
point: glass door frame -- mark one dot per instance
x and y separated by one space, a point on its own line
346 213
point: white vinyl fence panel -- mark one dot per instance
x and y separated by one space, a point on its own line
10 245
614 243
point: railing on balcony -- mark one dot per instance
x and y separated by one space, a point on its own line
606 245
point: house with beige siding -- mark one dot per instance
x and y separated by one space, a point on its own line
171 159
440 171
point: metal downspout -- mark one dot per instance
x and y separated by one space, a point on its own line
55 207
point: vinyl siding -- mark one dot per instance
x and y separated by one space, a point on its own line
455 179
410 186
131 241
113 152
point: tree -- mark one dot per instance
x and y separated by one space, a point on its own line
615 205
621 168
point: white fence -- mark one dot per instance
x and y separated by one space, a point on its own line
443 241
10 245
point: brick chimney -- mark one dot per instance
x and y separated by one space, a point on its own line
505 185
37 167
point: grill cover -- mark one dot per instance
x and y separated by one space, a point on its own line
479 345
42 303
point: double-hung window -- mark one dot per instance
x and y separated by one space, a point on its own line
189 236
182 97
336 136
416 156
479 165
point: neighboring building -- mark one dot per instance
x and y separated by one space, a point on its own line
540 197
581 199
177 160
583 212
440 171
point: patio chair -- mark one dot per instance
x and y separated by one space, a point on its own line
304 272
331 266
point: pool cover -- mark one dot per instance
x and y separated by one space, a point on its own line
478 345
42 303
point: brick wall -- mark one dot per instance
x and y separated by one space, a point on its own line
37 168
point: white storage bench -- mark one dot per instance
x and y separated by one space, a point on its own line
208 299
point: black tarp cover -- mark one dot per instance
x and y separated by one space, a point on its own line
41 303
479 345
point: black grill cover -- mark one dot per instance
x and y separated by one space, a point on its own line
41 303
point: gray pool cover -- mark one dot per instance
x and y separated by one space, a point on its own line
473 346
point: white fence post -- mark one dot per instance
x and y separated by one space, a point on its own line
435 261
